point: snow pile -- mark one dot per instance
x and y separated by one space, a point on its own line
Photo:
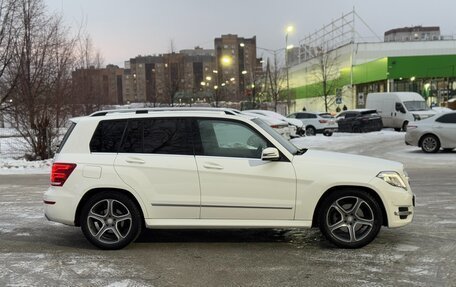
21 166
344 141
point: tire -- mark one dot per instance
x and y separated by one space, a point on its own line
327 133
430 144
110 220
397 129
404 126
310 131
350 218
356 129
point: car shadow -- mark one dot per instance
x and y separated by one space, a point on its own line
295 236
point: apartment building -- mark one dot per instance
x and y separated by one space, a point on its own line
236 66
415 33
98 86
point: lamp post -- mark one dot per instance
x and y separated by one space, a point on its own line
289 30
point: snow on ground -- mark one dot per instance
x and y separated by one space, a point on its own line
21 166
343 141
386 144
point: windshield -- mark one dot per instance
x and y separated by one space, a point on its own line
286 144
413 106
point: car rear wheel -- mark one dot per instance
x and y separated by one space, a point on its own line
430 144
350 218
310 131
357 129
110 220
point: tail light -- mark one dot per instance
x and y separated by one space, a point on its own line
323 121
411 127
275 126
61 172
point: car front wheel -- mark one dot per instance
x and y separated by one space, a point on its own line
311 131
430 144
327 133
110 220
350 218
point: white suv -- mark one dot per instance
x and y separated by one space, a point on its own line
116 173
316 122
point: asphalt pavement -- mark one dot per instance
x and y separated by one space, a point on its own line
36 252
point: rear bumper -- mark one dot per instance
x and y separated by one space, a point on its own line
60 205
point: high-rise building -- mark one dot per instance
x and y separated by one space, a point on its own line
98 86
140 79
169 78
235 65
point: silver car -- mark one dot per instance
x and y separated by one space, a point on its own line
433 133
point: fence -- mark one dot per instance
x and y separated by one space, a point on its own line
12 145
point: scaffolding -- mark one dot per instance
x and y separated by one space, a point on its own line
338 33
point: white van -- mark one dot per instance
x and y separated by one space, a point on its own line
397 109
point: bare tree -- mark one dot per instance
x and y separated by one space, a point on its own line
9 10
43 59
86 97
326 73
276 79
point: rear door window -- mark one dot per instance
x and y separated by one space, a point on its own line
158 136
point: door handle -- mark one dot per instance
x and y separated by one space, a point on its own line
211 165
135 160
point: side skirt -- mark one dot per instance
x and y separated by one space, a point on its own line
224 223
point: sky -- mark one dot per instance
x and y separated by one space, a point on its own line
123 29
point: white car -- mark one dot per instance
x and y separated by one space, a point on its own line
299 125
116 173
316 122
282 127
433 133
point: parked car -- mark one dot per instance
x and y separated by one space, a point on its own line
397 109
116 173
300 127
283 128
359 121
433 133
317 122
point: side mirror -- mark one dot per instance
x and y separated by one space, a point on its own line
270 153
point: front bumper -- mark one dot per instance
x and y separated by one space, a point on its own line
399 203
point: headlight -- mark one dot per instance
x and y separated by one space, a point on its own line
393 178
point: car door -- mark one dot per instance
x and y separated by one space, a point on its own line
445 127
235 182
156 159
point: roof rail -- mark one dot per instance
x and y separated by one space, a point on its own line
227 111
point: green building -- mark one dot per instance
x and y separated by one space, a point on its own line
355 69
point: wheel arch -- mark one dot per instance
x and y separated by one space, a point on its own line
428 134
335 189
94 191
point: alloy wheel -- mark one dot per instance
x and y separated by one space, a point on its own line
109 221
350 219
